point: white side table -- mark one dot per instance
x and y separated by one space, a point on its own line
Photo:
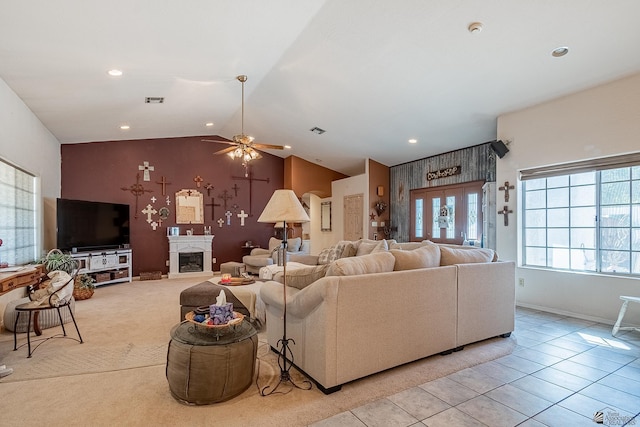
623 309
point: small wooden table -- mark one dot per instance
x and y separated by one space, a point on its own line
25 276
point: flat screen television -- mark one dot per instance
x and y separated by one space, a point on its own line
85 226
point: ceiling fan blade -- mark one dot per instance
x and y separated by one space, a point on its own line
225 150
223 141
268 146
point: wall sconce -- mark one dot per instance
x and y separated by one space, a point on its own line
380 191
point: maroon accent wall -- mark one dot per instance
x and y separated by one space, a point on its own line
98 170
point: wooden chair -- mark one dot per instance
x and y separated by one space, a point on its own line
34 308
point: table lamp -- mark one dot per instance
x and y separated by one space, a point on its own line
284 207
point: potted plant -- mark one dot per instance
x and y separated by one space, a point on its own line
83 287
56 260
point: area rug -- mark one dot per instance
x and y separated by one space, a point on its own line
117 377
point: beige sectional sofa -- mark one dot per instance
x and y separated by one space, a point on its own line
376 311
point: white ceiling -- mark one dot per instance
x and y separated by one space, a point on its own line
372 73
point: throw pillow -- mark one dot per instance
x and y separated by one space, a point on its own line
423 257
293 245
349 250
330 254
450 256
380 262
274 243
409 246
302 277
370 246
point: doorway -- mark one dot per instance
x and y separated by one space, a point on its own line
447 214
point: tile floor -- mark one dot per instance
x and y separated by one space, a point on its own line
562 372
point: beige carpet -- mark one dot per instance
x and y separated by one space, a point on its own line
118 375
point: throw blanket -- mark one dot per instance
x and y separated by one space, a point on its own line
267 272
237 305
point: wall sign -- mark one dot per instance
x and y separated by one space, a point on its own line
443 173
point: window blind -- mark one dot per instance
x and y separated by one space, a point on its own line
613 162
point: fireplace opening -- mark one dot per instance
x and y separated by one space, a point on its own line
190 262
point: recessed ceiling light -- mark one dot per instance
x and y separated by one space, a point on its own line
475 27
125 127
115 73
560 51
288 147
209 124
413 141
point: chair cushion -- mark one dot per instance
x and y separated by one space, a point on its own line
257 260
47 319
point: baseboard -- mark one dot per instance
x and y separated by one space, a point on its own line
566 313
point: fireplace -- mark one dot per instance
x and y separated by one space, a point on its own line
190 256
190 262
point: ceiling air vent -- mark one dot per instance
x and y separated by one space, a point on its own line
317 130
154 100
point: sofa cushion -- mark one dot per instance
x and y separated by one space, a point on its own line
424 257
368 247
450 256
379 262
302 277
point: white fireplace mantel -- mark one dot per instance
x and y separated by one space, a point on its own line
181 244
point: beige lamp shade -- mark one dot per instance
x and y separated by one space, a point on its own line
279 224
284 206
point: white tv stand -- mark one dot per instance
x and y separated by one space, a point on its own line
106 266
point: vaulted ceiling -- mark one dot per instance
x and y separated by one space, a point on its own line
372 73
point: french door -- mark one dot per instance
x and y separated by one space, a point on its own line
447 214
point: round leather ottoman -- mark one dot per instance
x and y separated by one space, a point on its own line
207 365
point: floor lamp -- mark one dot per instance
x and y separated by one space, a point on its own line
284 207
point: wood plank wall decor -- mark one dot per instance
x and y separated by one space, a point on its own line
479 164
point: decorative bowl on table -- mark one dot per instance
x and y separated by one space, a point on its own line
237 319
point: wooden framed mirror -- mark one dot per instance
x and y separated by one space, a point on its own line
189 207
325 216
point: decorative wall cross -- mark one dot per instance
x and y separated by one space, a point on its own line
213 205
154 225
137 190
148 211
242 216
220 222
226 197
209 187
506 189
505 211
228 214
250 178
163 182
153 199
198 180
146 168
235 189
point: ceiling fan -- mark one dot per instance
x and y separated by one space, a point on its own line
243 146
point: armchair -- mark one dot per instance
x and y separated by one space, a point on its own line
260 257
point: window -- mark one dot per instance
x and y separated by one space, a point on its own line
585 221
17 215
